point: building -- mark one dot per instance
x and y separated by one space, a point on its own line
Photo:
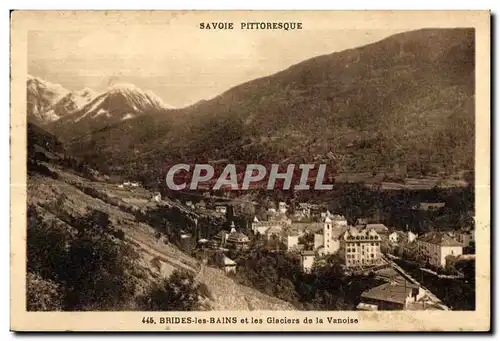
304 210
186 242
465 237
221 209
201 205
274 232
229 265
398 238
219 240
282 207
391 296
381 229
307 260
434 247
429 206
395 237
333 227
412 237
261 227
190 204
291 240
156 197
306 228
360 246
271 211
237 239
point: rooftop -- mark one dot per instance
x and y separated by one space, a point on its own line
307 253
307 227
430 205
361 233
228 262
388 293
439 238
379 228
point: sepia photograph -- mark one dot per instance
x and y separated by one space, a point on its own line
273 170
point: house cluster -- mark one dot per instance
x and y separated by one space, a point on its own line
226 239
358 246
130 184
202 205
434 247
330 233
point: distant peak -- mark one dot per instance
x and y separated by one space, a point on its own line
123 86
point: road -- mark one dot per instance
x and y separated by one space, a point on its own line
433 298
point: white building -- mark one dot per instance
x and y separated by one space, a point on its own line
434 247
395 237
400 237
360 246
229 265
465 237
156 197
291 241
412 237
333 227
221 209
307 260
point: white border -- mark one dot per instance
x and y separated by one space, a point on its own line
187 4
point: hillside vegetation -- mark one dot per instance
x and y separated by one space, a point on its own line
88 251
407 100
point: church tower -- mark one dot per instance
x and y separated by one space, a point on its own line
327 234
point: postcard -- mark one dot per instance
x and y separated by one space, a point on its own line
250 171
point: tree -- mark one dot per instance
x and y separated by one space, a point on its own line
46 247
42 294
90 270
97 272
179 292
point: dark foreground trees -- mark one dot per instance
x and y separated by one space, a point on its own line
89 267
179 292
86 270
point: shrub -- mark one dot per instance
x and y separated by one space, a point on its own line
42 294
91 270
179 292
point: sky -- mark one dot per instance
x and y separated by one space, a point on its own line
176 59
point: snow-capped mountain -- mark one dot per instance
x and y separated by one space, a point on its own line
41 97
120 102
52 104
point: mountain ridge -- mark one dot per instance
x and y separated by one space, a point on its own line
372 107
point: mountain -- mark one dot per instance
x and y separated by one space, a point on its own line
41 97
121 101
407 100
73 113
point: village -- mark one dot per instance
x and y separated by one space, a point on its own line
313 234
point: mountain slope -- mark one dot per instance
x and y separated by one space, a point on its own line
121 102
406 100
41 96
62 195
